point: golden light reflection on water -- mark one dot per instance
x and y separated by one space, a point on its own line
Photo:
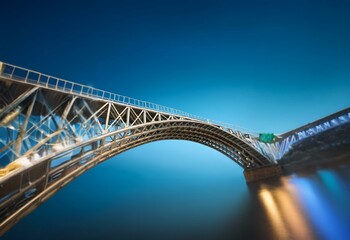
282 207
273 214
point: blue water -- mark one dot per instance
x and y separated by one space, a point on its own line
138 195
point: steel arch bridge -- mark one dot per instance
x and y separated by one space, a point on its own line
42 115
52 130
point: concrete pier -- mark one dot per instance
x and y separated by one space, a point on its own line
257 174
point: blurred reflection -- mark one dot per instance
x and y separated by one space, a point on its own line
282 209
316 198
313 206
273 213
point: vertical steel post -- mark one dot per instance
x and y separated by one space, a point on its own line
22 130
107 118
128 117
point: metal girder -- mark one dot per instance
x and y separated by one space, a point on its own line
23 127
293 137
17 101
81 119
53 130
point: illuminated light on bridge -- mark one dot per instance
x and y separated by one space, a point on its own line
52 130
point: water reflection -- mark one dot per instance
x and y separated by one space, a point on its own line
283 213
307 206
142 204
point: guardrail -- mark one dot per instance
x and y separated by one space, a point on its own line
28 76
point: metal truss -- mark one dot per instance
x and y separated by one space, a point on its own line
52 130
293 137
37 123
41 115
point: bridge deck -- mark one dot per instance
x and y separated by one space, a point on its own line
15 73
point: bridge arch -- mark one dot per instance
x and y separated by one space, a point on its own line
53 130
41 180
113 143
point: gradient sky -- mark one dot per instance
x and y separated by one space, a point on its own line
268 66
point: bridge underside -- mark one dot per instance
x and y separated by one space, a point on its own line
50 136
24 190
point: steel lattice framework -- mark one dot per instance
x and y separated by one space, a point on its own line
47 115
300 134
52 130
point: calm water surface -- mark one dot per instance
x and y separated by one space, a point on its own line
126 202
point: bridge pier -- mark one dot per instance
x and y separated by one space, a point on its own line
253 175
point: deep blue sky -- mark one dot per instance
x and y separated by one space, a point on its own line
263 65
268 66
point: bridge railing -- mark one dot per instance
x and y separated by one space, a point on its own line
29 76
